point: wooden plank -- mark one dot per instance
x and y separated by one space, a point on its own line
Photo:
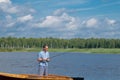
8 76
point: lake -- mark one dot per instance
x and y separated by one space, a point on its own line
87 65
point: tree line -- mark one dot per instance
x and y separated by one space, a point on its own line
13 42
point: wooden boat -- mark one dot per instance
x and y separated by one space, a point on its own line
8 76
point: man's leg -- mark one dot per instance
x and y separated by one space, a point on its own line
46 70
40 70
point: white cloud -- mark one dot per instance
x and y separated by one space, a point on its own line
61 22
7 7
91 22
72 22
5 1
12 15
10 24
12 10
58 24
25 18
59 11
50 21
110 21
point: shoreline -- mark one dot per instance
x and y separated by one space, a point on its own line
85 50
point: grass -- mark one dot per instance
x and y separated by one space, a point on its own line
91 50
85 50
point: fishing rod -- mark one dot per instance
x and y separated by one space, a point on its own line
58 55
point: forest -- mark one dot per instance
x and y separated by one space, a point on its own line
13 42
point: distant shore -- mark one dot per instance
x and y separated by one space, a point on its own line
85 50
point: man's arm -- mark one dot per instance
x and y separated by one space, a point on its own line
40 59
43 59
48 57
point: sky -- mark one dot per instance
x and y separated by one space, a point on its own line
60 18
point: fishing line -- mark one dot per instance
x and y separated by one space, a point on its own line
58 55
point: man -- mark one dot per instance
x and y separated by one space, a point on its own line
43 59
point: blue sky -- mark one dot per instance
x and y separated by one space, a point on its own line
60 18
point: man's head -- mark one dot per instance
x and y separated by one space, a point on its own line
45 48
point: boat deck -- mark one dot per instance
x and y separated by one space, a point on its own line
8 76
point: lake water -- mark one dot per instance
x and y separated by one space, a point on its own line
89 66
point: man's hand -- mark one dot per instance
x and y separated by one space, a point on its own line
43 59
46 59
